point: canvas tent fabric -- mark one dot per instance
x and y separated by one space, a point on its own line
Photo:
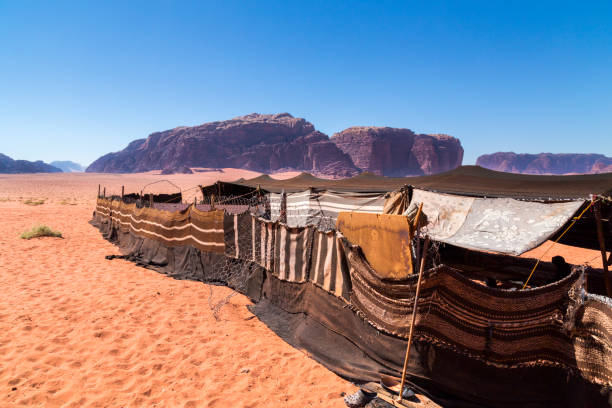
501 225
465 180
292 253
328 267
315 207
555 336
445 213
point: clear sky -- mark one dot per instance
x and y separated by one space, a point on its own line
80 79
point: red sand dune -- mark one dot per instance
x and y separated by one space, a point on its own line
79 330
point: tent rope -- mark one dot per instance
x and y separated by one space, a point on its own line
557 240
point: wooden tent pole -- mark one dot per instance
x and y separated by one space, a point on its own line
104 192
122 191
99 187
414 312
418 242
602 247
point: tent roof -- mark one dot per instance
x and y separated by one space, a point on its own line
478 181
365 182
464 180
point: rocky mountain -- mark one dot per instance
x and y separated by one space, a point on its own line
68 166
10 166
546 163
399 152
265 143
277 142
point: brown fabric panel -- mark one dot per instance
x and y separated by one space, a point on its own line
507 328
592 336
384 239
203 230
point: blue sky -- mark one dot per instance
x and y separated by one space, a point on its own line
80 79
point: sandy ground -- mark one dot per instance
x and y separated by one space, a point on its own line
79 330
572 255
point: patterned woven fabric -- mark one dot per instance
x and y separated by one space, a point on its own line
202 230
554 325
558 325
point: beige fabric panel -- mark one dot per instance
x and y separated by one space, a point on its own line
445 213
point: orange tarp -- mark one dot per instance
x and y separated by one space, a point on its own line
384 239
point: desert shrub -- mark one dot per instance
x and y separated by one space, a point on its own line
40 231
34 202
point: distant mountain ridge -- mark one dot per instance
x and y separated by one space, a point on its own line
277 142
10 166
68 166
546 163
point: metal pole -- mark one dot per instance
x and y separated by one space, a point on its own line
414 313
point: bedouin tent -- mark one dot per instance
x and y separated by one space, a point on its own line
547 346
470 207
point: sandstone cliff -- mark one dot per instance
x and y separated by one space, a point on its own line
546 163
272 143
399 152
10 166
265 143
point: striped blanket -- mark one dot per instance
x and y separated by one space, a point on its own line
290 253
309 207
202 230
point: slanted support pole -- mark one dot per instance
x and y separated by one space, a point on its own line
602 247
414 313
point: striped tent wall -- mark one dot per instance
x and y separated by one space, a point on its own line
292 248
328 265
238 236
262 241
310 207
292 254
202 230
299 212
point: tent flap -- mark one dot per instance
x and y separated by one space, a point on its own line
501 225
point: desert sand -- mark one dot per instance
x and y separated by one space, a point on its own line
79 330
